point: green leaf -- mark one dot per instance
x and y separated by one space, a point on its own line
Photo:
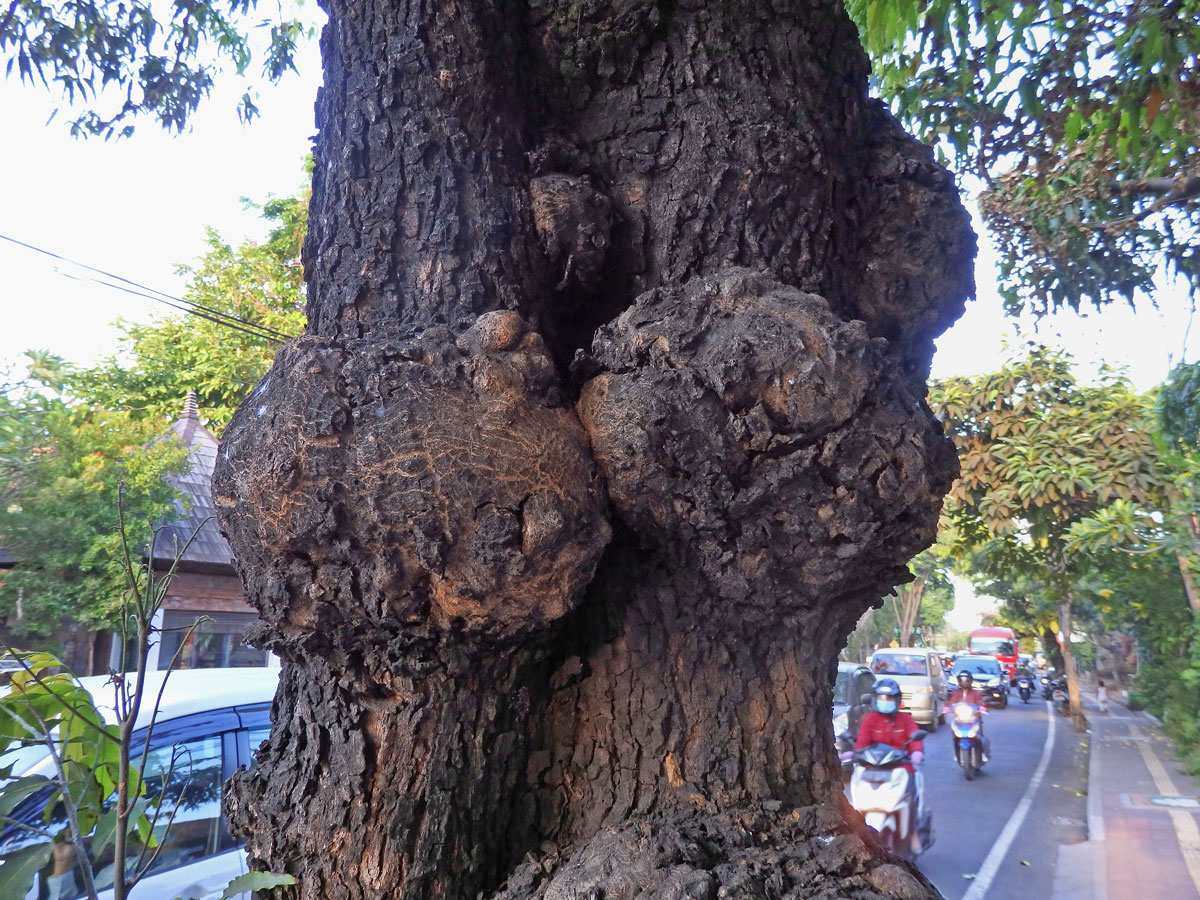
255 881
19 869
106 831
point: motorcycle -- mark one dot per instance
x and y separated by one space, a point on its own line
1060 698
1024 687
885 792
967 726
1055 690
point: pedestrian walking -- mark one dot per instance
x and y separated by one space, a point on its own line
1102 696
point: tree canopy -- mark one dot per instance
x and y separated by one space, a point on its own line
62 468
1081 119
116 61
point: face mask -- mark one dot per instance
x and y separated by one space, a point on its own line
885 706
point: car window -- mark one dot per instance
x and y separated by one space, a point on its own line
184 776
899 664
257 735
839 696
183 784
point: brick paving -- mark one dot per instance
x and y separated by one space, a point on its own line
1143 841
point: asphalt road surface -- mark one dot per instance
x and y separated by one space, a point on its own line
972 819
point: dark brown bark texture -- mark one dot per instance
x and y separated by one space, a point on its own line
608 425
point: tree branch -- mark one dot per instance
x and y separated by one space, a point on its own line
1171 191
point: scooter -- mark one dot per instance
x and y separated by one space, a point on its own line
1024 687
967 726
1055 690
1060 698
885 792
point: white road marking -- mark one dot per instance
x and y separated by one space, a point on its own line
991 865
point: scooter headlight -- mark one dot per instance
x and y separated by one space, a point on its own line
964 712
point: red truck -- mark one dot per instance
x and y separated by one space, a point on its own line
998 642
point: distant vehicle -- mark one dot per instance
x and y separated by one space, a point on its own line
210 722
999 642
987 677
851 701
965 722
918 671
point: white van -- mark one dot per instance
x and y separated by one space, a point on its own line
918 671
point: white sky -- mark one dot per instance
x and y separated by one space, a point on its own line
137 208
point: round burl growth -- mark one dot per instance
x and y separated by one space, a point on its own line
417 485
745 428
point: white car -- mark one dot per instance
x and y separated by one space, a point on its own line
210 722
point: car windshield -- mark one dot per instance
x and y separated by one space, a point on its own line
900 664
992 646
977 666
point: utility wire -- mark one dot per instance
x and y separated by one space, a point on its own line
219 318
140 290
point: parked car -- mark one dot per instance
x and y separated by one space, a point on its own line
851 701
987 676
918 671
851 697
210 721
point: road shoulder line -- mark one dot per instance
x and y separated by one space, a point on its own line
991 864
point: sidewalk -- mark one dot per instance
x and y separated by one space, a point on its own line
1142 808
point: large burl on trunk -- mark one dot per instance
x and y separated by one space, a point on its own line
607 426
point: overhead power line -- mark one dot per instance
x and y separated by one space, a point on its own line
128 286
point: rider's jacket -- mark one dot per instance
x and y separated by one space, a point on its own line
894 729
970 695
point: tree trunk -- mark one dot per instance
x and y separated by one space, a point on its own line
607 427
1189 583
1064 631
910 602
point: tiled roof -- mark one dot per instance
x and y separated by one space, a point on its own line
209 548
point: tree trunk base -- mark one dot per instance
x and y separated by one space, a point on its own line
756 851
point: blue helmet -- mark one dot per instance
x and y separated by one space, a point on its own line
887 687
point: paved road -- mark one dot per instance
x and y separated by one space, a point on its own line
969 818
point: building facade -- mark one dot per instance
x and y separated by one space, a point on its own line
204 616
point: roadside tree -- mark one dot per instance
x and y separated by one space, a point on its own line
591 454
1041 452
61 468
606 426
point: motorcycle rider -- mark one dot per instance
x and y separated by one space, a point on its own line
888 724
966 693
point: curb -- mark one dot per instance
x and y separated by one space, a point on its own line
1095 817
1095 814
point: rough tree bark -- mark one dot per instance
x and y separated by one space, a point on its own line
607 426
